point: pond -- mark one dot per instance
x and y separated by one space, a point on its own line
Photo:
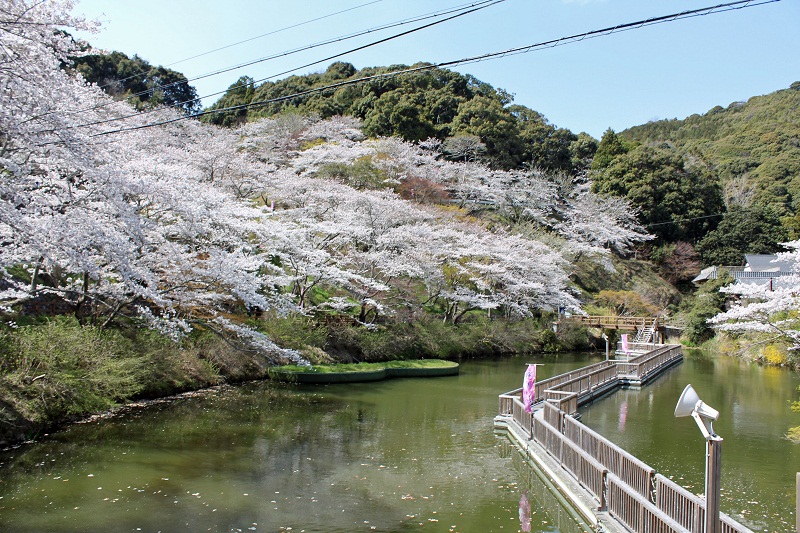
393 456
759 465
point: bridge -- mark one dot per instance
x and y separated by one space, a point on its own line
647 328
613 490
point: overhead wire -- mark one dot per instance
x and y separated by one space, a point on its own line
286 53
273 32
479 6
719 8
684 220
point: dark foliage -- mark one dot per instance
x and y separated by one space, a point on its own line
432 103
136 80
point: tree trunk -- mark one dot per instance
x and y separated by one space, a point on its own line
81 316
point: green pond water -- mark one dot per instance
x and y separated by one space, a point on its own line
393 456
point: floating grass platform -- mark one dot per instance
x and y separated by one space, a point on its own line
362 372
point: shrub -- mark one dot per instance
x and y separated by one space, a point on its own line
775 355
62 368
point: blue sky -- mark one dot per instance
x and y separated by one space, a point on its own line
669 70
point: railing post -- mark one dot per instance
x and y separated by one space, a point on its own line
797 511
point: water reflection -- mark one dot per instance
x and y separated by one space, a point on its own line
524 512
536 495
394 456
758 463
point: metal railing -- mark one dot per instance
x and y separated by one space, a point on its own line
635 473
640 367
556 381
631 491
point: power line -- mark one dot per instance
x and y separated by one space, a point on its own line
479 6
730 6
342 38
684 220
277 31
255 38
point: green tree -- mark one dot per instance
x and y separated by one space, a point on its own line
582 151
611 145
546 147
676 201
238 94
708 301
139 82
753 230
497 128
399 113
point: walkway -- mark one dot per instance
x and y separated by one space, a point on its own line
610 488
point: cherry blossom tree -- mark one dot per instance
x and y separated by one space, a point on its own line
182 224
127 224
766 308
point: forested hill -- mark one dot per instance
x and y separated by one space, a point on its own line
719 185
475 120
753 146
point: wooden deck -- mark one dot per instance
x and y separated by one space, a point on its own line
623 493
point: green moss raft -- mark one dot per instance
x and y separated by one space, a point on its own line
363 372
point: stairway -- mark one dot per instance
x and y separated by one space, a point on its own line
646 334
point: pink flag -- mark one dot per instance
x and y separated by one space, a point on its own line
529 388
625 343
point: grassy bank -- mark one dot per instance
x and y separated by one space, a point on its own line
55 370
423 337
58 371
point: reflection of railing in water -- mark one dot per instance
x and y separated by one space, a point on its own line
542 495
621 484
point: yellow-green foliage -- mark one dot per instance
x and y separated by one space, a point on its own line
307 145
794 433
775 355
625 303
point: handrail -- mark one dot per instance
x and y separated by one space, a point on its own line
646 502
620 321
585 380
555 381
634 472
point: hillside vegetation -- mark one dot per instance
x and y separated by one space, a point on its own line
173 244
476 121
438 220
753 146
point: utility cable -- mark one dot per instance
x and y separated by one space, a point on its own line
479 6
273 32
342 38
684 220
719 8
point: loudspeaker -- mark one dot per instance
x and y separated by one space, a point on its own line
686 402
690 402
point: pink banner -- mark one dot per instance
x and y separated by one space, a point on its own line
529 388
625 343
